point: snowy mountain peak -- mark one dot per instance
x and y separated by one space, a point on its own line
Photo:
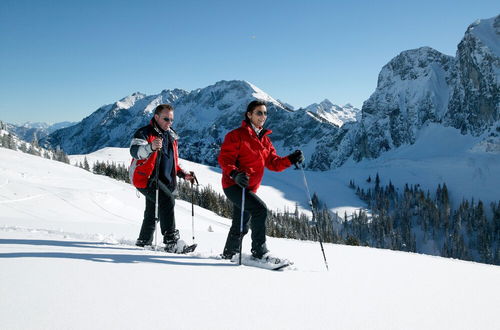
173 94
414 64
129 101
487 31
261 95
335 114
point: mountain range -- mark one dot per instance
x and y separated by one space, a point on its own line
416 88
31 131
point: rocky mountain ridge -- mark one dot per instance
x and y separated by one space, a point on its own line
416 88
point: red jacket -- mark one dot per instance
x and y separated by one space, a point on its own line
144 158
243 150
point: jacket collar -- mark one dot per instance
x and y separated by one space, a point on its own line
249 127
173 134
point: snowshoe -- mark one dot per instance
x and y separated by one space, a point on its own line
143 242
267 261
179 247
268 258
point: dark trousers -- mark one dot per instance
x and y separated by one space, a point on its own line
256 210
166 202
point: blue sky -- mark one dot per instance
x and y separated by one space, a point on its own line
61 60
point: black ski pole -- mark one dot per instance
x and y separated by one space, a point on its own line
157 204
194 179
241 222
313 214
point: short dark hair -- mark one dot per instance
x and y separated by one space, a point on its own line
251 106
254 104
162 107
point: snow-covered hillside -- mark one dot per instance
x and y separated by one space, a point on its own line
67 262
279 190
460 161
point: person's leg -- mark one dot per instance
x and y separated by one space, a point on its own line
255 209
148 222
167 215
233 237
258 225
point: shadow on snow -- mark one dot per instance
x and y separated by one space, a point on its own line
181 260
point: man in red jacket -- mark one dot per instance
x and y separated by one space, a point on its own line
243 155
155 155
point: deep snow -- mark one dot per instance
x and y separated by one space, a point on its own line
67 261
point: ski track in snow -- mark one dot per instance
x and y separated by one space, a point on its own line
5 183
9 200
112 213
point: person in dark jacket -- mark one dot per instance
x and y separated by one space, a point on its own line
154 152
244 154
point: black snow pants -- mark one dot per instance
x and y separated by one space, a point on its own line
166 202
256 210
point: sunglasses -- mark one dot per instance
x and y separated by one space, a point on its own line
168 120
261 113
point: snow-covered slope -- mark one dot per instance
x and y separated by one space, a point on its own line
67 262
439 155
460 161
280 191
10 140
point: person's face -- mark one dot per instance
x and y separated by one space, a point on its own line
165 119
258 116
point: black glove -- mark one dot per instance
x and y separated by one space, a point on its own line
241 178
194 179
296 157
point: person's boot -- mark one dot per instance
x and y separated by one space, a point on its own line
232 247
170 240
144 242
259 251
175 245
146 234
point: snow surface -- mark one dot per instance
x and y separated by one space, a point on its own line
280 191
439 155
67 261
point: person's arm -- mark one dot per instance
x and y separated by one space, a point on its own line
140 148
229 152
276 163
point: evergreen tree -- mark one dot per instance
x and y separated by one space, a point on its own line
86 164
